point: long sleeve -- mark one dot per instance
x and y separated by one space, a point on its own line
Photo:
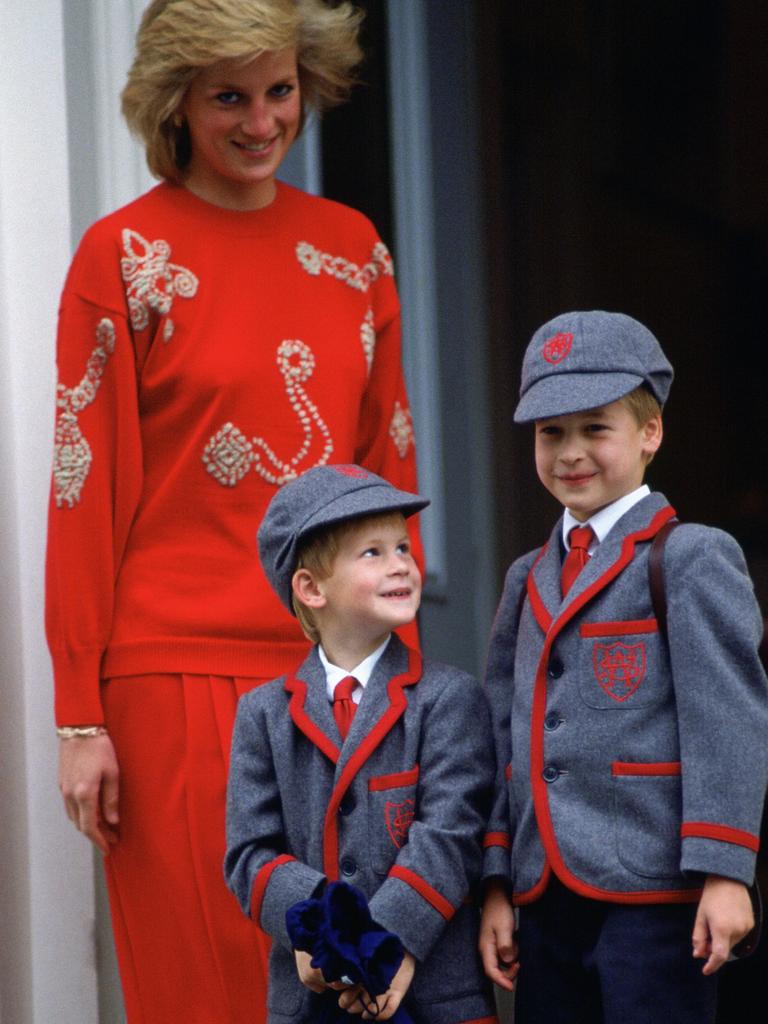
257 868
499 684
441 862
714 629
97 475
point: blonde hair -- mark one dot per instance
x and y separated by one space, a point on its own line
318 552
177 38
644 406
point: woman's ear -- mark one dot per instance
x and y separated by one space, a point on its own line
306 589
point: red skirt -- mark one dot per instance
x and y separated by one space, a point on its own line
185 949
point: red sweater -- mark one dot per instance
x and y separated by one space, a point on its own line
206 356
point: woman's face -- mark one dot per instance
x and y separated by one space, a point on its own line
242 119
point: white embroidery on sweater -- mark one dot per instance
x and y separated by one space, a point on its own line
72 455
152 281
368 338
401 430
229 455
361 278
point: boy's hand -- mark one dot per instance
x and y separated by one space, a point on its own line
724 917
356 999
497 944
310 976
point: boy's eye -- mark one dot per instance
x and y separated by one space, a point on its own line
595 428
550 431
404 548
370 552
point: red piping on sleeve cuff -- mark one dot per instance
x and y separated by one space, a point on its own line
496 839
726 834
260 883
424 889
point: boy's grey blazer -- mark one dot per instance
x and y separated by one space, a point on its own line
628 766
398 810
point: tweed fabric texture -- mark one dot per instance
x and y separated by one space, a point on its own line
628 766
583 360
398 810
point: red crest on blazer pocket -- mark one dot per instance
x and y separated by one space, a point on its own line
557 347
398 818
619 668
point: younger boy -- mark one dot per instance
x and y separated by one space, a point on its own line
632 764
366 765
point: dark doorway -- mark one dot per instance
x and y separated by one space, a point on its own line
627 160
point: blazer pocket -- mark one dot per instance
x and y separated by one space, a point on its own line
647 811
391 809
620 664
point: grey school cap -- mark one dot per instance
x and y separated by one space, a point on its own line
321 497
584 360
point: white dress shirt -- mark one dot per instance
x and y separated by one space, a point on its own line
602 522
361 672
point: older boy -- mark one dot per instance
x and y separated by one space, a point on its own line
632 765
365 765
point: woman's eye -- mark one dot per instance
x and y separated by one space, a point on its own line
228 98
282 89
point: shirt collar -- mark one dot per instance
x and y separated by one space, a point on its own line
361 672
602 522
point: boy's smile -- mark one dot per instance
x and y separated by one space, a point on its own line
589 459
375 586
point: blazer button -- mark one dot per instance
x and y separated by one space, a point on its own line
550 773
347 805
552 721
556 668
348 867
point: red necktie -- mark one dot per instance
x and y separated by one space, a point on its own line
344 707
579 538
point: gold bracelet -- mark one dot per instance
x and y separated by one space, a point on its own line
78 732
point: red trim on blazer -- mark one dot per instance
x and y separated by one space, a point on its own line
382 782
520 899
298 689
539 787
646 768
482 1020
726 834
508 772
540 610
496 839
619 628
397 705
432 896
260 883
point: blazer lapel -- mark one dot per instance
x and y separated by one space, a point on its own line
617 549
310 708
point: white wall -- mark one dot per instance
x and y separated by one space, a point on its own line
47 970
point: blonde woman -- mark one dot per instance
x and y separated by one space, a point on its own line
217 337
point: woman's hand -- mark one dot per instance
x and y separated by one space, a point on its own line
88 780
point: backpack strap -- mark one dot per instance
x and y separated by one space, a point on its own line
656 581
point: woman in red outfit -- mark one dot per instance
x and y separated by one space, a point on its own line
217 336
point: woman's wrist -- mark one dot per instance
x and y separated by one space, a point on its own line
80 732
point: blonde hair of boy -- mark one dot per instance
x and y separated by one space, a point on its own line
177 38
644 406
318 553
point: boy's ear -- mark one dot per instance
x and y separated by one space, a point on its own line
653 432
306 589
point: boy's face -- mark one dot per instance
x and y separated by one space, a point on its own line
589 459
375 585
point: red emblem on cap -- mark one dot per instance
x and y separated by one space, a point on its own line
398 818
355 471
557 347
619 668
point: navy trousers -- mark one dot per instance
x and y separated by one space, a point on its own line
587 962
